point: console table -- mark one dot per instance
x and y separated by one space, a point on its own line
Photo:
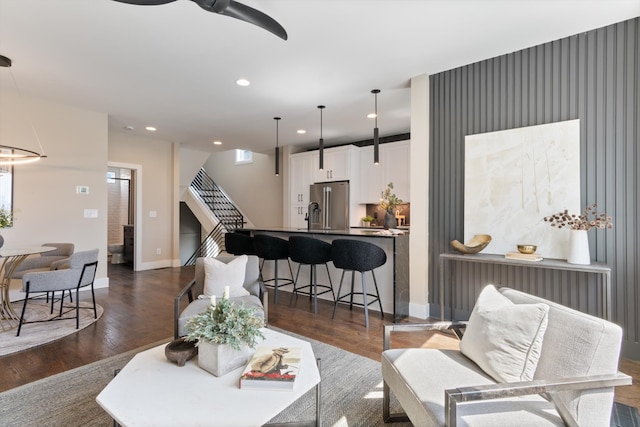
602 270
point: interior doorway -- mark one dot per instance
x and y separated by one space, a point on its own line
123 219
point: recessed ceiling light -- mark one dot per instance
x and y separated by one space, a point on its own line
151 129
129 127
301 131
371 115
217 142
243 82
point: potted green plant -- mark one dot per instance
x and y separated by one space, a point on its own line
389 202
366 220
6 220
224 333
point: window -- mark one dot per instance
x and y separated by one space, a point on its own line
244 156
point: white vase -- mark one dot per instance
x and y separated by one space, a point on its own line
220 359
579 247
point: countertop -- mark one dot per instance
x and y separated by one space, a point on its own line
354 231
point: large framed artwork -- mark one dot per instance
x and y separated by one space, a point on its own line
514 178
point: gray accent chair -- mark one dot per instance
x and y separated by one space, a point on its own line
257 297
52 260
79 272
573 383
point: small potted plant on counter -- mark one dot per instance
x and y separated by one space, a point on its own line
366 221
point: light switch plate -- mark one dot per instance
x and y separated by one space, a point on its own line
82 189
91 213
153 214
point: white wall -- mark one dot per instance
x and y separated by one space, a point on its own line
46 205
253 187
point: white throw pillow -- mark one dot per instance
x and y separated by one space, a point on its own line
218 274
504 338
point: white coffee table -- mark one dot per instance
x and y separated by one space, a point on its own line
151 391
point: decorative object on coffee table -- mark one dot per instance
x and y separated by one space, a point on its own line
475 245
180 351
578 226
224 332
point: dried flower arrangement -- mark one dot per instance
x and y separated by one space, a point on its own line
389 200
590 218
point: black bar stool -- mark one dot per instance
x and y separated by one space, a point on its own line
236 243
274 249
311 252
356 255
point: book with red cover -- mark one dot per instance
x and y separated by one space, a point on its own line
272 368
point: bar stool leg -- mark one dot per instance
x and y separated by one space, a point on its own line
364 299
352 289
335 304
314 285
330 282
275 293
375 283
295 286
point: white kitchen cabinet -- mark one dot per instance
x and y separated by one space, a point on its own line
338 164
393 167
301 176
297 215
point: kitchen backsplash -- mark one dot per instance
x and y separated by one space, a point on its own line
403 210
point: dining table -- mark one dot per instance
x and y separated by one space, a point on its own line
10 260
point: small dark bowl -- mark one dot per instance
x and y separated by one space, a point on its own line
180 351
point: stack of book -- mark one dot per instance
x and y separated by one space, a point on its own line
523 257
272 368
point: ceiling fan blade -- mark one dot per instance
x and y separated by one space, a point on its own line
146 2
244 13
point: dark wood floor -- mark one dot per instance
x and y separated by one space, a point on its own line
138 310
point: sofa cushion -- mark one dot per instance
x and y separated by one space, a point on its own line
218 275
410 374
503 338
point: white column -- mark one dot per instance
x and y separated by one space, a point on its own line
418 244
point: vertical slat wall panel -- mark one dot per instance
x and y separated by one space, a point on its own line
593 77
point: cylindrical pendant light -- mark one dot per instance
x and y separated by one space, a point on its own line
277 119
321 142
376 139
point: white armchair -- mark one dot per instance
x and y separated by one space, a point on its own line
571 382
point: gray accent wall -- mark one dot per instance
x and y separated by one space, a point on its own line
594 77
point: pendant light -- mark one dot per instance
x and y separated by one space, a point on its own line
277 119
10 155
321 142
376 139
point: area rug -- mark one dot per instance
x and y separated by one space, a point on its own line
45 330
351 394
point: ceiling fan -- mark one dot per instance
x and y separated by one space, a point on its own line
229 8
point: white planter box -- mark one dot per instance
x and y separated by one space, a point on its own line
220 359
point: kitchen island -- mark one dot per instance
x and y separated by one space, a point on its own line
392 277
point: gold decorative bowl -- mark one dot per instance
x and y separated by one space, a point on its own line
527 249
475 245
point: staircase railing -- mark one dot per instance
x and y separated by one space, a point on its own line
228 216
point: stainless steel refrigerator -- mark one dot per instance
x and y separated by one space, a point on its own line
329 206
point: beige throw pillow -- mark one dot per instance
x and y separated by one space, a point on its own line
503 338
218 274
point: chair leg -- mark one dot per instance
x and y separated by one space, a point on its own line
24 308
352 289
295 287
275 269
314 286
77 308
330 282
364 299
375 284
335 304
93 297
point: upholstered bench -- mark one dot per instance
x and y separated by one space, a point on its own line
523 361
